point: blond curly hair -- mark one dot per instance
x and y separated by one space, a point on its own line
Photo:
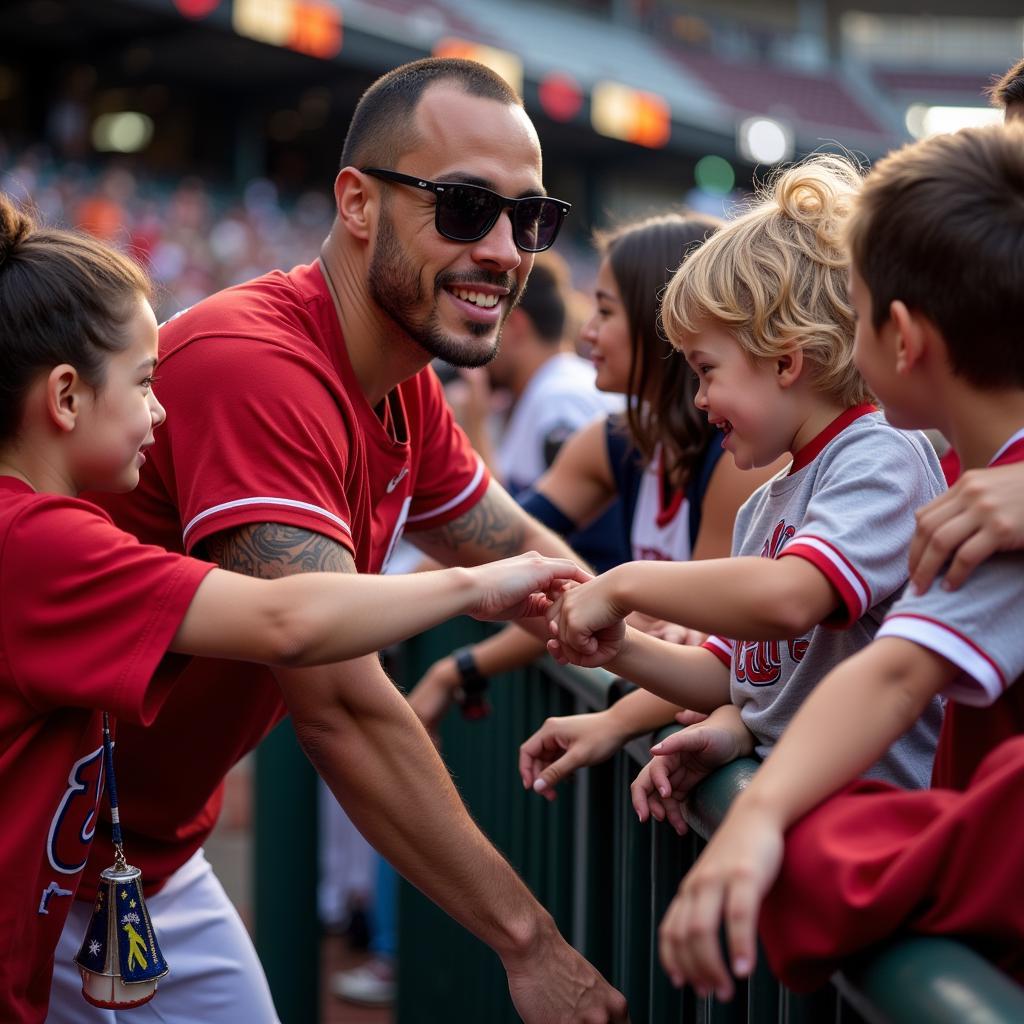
776 276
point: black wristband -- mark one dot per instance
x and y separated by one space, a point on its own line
471 679
472 689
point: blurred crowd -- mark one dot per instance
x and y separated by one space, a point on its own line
193 237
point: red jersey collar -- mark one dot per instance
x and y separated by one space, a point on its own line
12 483
810 451
1011 451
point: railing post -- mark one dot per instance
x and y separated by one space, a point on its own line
624 876
285 873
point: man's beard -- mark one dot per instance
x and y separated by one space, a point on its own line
394 285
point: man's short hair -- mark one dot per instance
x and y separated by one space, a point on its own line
546 296
1008 88
381 129
939 226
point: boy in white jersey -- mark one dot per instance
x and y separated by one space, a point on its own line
937 243
760 312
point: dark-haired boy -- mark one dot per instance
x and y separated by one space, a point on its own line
937 240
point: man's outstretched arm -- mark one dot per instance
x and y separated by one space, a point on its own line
372 751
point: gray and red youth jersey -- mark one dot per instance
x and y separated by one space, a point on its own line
846 504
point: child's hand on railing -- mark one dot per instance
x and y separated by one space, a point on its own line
561 745
726 886
684 759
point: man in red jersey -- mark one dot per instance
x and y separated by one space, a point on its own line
305 433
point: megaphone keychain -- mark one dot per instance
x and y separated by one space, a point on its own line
120 960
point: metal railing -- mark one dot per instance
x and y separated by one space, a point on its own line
607 880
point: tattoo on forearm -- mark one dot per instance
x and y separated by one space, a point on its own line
494 523
271 550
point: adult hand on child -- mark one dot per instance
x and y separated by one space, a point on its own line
983 512
728 883
561 745
680 762
520 587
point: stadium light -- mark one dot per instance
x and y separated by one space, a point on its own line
620 112
560 96
503 63
763 140
923 120
124 132
714 174
312 27
196 8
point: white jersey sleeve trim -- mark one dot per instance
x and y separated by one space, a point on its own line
981 683
1018 436
849 574
460 497
279 502
720 644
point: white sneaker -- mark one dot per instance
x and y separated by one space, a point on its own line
369 984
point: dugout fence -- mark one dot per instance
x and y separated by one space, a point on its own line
605 878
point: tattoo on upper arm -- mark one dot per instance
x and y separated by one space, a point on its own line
495 523
271 550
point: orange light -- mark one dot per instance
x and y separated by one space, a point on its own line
653 122
501 62
316 30
620 112
457 49
307 26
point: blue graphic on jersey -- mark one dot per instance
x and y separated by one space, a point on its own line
74 822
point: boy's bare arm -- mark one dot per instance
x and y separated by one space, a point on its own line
752 598
684 676
830 742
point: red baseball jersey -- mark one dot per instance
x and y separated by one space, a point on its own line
266 423
87 615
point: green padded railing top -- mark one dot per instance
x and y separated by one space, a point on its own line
920 980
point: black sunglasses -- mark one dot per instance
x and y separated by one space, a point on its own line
465 213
